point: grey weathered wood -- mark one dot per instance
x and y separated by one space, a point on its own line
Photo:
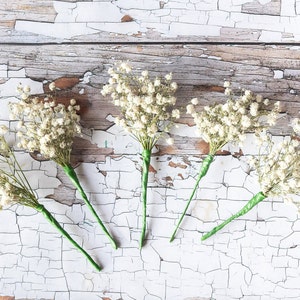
255 7
158 21
199 71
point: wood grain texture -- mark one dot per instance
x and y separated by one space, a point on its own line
28 21
255 7
200 70
74 43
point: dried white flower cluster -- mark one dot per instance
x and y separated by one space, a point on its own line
146 105
278 170
45 126
11 193
13 184
4 148
296 125
7 196
223 123
15 188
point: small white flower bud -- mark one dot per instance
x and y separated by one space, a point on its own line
194 101
52 86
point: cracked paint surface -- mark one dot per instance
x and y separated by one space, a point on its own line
263 21
255 257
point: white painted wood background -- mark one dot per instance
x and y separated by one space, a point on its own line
255 44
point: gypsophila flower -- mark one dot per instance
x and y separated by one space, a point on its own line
176 113
146 112
52 86
236 117
3 129
194 101
296 125
16 189
49 128
227 84
278 175
145 105
223 123
278 169
45 126
4 148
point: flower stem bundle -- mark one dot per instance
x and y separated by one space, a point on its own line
73 177
40 208
15 188
49 128
221 124
250 204
278 175
147 112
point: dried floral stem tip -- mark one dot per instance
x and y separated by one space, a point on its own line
220 124
73 177
204 168
146 163
250 204
15 188
45 125
146 112
40 208
146 105
50 128
278 174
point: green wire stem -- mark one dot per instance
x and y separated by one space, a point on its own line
73 177
40 208
146 154
250 204
204 168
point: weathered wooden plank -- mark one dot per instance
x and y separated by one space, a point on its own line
29 21
199 70
255 7
37 11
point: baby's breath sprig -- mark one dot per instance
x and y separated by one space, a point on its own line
15 188
221 124
278 174
49 128
146 112
45 125
296 126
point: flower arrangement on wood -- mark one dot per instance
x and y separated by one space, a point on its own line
49 128
221 124
278 174
15 188
146 112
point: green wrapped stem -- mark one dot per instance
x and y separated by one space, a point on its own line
250 204
146 154
204 168
40 208
73 177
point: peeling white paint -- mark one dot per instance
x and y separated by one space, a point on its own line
255 257
209 266
278 74
56 30
184 269
185 18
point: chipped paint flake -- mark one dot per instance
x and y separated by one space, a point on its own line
276 20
